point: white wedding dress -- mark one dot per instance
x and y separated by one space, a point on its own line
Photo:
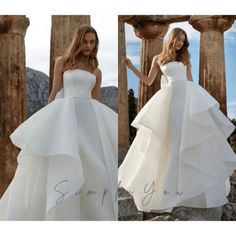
180 156
67 166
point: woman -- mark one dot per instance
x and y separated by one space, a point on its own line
180 156
67 166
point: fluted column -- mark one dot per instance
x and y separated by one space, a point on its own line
62 31
12 91
123 122
212 59
152 44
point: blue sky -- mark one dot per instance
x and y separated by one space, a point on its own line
133 49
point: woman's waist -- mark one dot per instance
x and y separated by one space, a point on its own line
176 79
168 81
77 92
77 95
68 93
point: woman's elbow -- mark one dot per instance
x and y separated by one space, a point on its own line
95 96
50 98
149 82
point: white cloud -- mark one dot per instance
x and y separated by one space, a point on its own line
230 35
232 104
191 32
231 115
231 109
37 42
107 29
130 36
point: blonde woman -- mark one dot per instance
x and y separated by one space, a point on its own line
180 156
67 165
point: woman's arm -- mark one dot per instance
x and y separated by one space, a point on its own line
189 74
148 80
57 78
96 89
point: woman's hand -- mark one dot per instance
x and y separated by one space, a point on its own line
148 80
127 62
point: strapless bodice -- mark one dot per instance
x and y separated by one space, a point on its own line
174 71
78 83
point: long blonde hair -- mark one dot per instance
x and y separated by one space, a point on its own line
169 52
74 51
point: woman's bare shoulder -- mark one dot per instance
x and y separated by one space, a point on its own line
60 60
98 72
157 58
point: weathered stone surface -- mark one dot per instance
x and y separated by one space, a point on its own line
140 20
197 214
229 211
127 207
12 91
13 24
123 193
186 214
232 194
123 119
163 218
212 59
109 96
37 90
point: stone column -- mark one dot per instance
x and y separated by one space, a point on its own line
62 31
152 35
12 91
123 122
212 59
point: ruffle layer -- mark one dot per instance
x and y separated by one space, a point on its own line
52 157
205 159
